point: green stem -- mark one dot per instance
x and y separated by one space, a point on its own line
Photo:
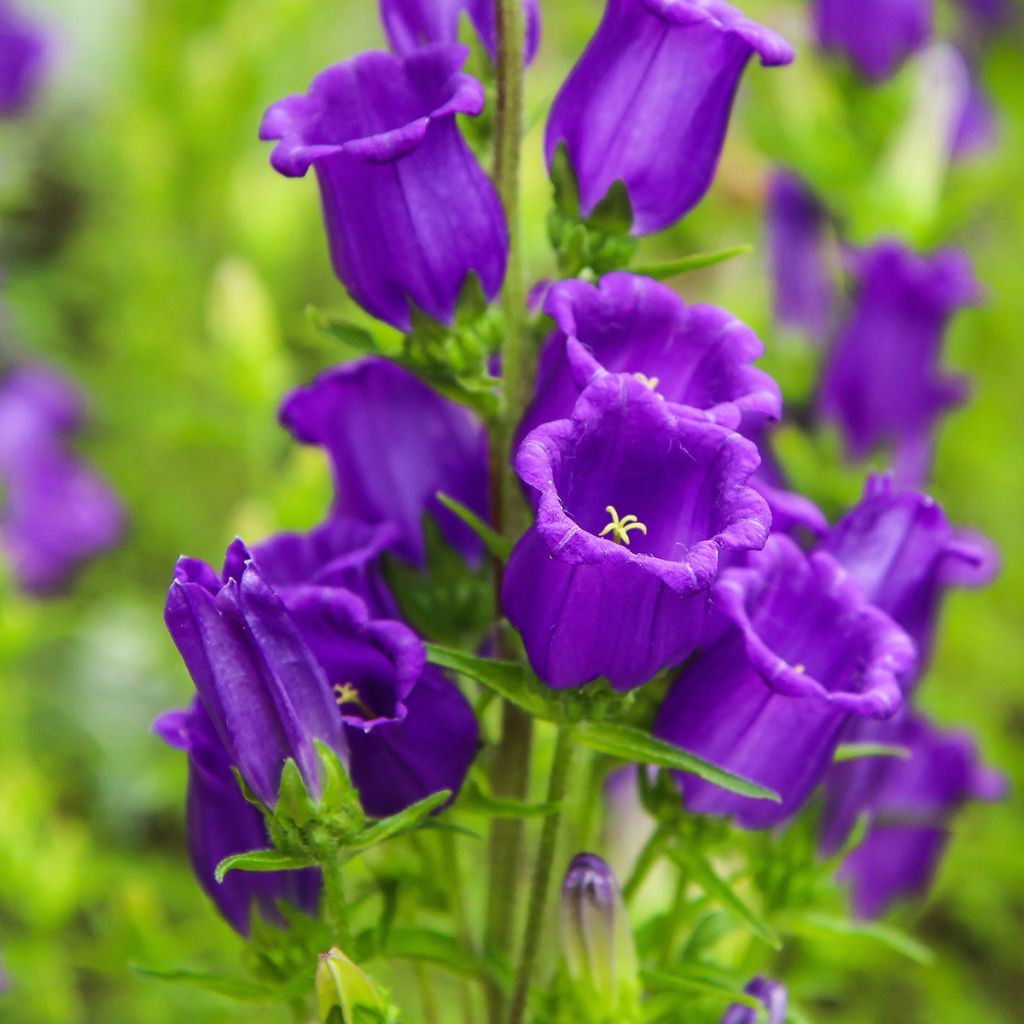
542 875
427 1000
646 860
335 908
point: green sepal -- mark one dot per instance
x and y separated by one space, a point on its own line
855 751
686 264
472 304
635 745
497 545
294 804
339 797
614 214
262 861
565 182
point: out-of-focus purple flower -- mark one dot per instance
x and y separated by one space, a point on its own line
55 511
221 823
410 212
797 229
910 804
772 994
636 504
976 128
876 36
277 670
393 444
803 652
883 383
697 356
413 24
596 936
648 103
988 15
903 553
22 60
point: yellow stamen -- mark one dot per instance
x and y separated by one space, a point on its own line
619 528
346 693
648 382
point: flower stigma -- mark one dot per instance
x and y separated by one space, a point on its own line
619 528
346 693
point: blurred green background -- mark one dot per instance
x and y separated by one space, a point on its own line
151 252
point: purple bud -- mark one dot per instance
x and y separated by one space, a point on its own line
22 60
648 103
771 993
410 212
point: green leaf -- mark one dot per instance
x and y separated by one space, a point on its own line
436 948
814 925
404 821
707 878
632 744
382 339
706 981
855 751
508 680
472 302
339 795
683 265
476 799
261 860
493 541
233 988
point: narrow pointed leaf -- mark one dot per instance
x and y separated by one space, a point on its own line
493 541
855 751
476 800
824 925
683 265
260 861
404 821
233 988
700 980
632 744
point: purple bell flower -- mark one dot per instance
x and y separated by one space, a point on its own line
883 384
22 60
797 230
648 103
413 24
803 651
903 553
410 212
698 356
221 823
771 993
56 512
393 444
910 804
876 36
637 502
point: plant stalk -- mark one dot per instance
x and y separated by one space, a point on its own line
335 906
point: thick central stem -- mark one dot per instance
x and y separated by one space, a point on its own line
510 765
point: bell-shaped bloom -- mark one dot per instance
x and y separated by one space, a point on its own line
597 939
797 227
883 383
393 444
910 804
221 823
55 512
698 356
277 670
803 651
904 554
413 24
648 103
876 36
636 501
22 60
773 996
410 213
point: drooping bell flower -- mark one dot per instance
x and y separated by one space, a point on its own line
698 356
597 939
22 60
904 554
797 226
772 994
55 512
636 503
220 823
883 383
648 103
410 213
413 24
876 36
910 805
393 444
803 652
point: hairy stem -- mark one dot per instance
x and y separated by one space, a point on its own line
335 908
541 875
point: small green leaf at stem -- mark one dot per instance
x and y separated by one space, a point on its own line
632 744
814 925
233 988
706 981
404 821
475 799
855 751
685 264
496 545
259 861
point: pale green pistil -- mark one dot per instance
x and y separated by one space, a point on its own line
619 528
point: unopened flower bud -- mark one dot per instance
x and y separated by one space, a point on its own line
597 939
342 988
